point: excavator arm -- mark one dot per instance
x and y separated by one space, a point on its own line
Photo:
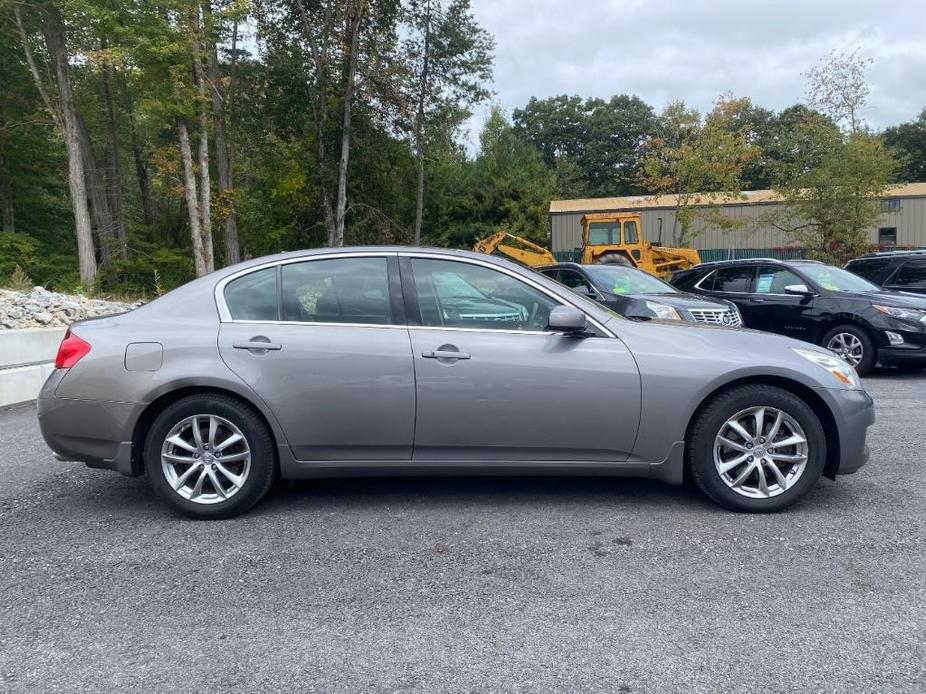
516 248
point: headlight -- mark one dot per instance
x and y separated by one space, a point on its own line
841 370
910 314
663 311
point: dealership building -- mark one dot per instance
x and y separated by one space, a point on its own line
902 222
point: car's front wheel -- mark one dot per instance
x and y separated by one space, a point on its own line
853 344
210 456
756 448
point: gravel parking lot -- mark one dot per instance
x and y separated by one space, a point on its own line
467 584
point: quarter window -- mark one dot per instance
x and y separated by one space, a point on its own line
253 296
338 290
462 295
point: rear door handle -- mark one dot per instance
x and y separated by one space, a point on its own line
257 344
757 300
444 354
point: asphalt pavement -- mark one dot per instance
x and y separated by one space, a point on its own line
467 585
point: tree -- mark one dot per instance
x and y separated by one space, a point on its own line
698 162
450 57
836 86
604 140
832 179
832 190
63 111
908 140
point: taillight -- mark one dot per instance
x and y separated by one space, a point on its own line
71 351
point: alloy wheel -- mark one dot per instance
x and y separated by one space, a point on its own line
760 452
847 346
205 459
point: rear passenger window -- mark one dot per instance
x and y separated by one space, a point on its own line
911 276
253 296
734 279
339 290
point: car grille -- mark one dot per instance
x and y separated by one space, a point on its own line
717 316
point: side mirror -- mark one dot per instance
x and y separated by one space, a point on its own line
566 319
799 289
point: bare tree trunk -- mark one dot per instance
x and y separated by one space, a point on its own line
205 186
7 221
320 110
419 125
66 118
96 192
223 161
114 165
341 204
189 190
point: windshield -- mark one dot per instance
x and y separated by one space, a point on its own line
449 285
619 280
836 279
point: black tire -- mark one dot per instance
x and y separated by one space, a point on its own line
614 259
258 438
869 353
708 423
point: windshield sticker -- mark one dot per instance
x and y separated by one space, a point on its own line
825 280
621 286
765 284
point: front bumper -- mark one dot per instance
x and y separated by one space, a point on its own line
853 412
901 354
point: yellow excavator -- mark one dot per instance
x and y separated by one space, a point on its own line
606 238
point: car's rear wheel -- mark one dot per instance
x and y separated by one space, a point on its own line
210 456
756 448
853 344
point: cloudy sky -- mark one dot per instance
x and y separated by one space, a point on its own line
694 50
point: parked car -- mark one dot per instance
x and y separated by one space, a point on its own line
640 296
902 271
822 304
334 362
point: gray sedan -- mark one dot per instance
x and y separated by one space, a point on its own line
390 360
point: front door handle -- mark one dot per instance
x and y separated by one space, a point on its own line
444 354
257 345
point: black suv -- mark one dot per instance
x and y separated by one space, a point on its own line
640 296
903 271
819 303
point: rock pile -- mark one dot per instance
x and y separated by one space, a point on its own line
41 308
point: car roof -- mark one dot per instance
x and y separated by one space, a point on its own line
897 253
712 265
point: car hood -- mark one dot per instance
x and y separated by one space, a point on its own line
888 298
683 300
680 350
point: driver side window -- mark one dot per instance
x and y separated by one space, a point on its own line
463 295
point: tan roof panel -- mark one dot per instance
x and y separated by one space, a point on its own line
748 197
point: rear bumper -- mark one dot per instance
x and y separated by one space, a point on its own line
854 412
88 431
